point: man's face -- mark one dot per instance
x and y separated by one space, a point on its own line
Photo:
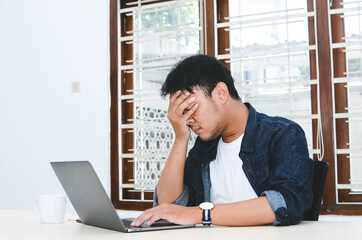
206 122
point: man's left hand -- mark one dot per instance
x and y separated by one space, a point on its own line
172 213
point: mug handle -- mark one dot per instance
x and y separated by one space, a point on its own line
36 201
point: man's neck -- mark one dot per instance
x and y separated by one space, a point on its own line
236 117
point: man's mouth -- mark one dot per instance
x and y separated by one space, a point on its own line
196 129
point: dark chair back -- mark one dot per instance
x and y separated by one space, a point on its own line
318 182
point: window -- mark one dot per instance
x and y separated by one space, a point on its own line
279 52
155 36
269 58
345 41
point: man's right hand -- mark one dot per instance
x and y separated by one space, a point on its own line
181 107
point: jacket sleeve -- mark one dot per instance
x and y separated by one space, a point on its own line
290 176
181 200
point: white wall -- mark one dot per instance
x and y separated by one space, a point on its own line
44 46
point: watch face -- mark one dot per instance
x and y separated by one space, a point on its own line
206 205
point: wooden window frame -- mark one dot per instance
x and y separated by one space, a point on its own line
330 205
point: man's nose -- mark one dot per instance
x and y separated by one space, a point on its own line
190 120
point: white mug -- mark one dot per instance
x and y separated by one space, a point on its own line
51 208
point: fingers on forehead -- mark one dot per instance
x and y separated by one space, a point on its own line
175 94
185 92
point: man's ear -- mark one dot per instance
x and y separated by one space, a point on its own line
221 92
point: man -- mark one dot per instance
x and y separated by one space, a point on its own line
254 169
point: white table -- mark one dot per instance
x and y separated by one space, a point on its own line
26 225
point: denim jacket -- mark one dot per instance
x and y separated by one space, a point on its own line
275 160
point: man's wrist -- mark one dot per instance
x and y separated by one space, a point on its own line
182 139
197 215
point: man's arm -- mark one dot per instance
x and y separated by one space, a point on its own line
290 175
246 213
171 182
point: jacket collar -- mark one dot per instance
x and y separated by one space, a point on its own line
207 150
247 145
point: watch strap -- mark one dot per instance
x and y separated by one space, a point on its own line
206 217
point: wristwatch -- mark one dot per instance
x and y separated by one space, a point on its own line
206 212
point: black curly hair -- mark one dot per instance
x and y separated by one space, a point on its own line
199 70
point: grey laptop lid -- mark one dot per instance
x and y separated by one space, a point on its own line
90 200
87 194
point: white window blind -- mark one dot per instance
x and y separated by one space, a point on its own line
163 33
269 56
350 11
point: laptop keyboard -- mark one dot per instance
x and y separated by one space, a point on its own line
127 223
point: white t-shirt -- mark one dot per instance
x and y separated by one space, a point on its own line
228 181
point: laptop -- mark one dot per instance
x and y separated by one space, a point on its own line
91 202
